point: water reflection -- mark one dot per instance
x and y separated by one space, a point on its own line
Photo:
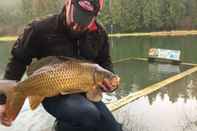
136 75
184 89
124 47
172 108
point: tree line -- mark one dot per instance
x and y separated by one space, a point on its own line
117 15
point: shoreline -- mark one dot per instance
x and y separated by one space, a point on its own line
7 38
152 34
155 34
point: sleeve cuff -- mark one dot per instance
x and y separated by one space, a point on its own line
2 99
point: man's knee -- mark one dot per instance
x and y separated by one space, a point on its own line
75 109
89 117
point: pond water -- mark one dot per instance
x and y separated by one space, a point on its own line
172 108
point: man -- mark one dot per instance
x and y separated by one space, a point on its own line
73 33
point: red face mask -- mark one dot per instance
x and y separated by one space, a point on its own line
82 5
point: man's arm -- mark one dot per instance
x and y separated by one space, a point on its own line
21 56
104 57
104 60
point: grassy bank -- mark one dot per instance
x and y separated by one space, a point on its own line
8 38
163 33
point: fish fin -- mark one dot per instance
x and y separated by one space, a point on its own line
51 60
35 101
37 64
95 94
71 92
14 103
77 60
8 88
64 58
65 93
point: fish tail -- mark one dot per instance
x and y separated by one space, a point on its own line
14 104
14 100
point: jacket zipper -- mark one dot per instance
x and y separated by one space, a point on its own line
78 50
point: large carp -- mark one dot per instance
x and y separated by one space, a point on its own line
52 76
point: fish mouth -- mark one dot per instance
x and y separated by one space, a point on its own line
111 85
115 81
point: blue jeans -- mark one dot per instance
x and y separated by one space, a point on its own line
75 113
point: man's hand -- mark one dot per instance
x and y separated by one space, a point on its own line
2 116
105 85
110 85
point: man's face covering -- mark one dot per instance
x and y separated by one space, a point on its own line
81 14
